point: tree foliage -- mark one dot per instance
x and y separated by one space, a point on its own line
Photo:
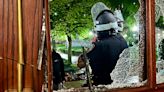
160 22
72 19
75 15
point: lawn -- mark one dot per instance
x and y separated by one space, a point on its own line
73 84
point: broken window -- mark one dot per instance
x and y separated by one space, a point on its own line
71 28
159 31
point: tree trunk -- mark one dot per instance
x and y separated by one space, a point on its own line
69 49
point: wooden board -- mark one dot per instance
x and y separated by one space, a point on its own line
32 24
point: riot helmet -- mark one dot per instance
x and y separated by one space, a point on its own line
104 19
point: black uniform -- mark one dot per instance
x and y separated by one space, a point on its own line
103 57
58 69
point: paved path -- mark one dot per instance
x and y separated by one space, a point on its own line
65 56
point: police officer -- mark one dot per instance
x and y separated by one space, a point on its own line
58 70
108 46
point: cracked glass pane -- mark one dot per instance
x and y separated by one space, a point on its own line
101 42
159 30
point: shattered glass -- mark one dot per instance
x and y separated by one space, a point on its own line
159 7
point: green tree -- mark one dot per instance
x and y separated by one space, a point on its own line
160 22
72 17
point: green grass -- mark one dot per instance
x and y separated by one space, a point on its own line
73 84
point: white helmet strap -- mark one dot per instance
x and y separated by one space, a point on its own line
102 27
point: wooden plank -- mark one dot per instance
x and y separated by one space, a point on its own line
28 8
35 47
1 64
5 28
1 46
150 43
32 15
32 20
9 45
36 39
48 45
15 44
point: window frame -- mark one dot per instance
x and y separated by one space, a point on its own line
151 85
